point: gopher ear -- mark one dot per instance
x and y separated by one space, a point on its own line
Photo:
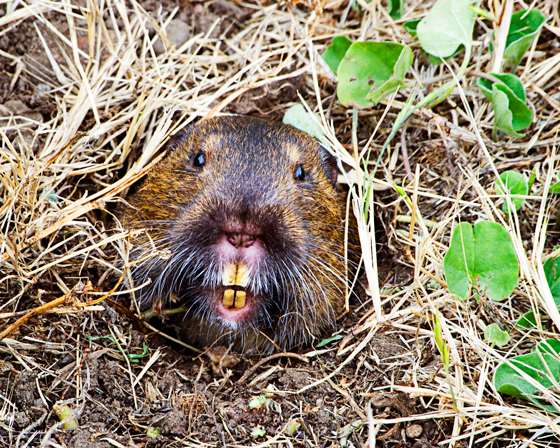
329 166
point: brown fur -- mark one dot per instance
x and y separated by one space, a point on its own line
247 178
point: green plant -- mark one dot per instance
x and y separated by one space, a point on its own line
494 334
65 414
258 431
551 269
335 52
511 114
131 357
555 188
299 118
441 345
370 71
152 432
395 8
483 258
552 273
327 341
523 29
447 27
411 26
516 185
528 376
257 402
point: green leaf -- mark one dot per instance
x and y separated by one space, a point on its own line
411 26
371 67
551 346
356 5
434 60
298 117
152 432
49 195
448 25
495 261
65 412
396 80
508 97
131 357
395 8
459 260
486 256
523 29
441 344
258 431
485 14
555 188
326 341
400 191
510 113
336 51
542 365
527 321
515 184
512 81
493 333
257 402
532 177
551 269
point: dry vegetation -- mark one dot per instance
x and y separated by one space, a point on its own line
98 104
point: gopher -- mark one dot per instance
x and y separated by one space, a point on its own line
245 230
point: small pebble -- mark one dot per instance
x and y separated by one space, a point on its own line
414 431
177 31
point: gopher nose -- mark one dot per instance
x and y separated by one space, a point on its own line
238 240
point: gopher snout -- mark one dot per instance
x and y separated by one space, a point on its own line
240 240
237 240
239 246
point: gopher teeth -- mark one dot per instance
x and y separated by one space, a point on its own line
234 298
240 297
229 297
235 274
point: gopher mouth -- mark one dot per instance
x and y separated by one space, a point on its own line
233 301
235 306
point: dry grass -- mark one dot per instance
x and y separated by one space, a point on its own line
116 102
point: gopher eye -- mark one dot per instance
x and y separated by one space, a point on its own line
199 160
300 173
